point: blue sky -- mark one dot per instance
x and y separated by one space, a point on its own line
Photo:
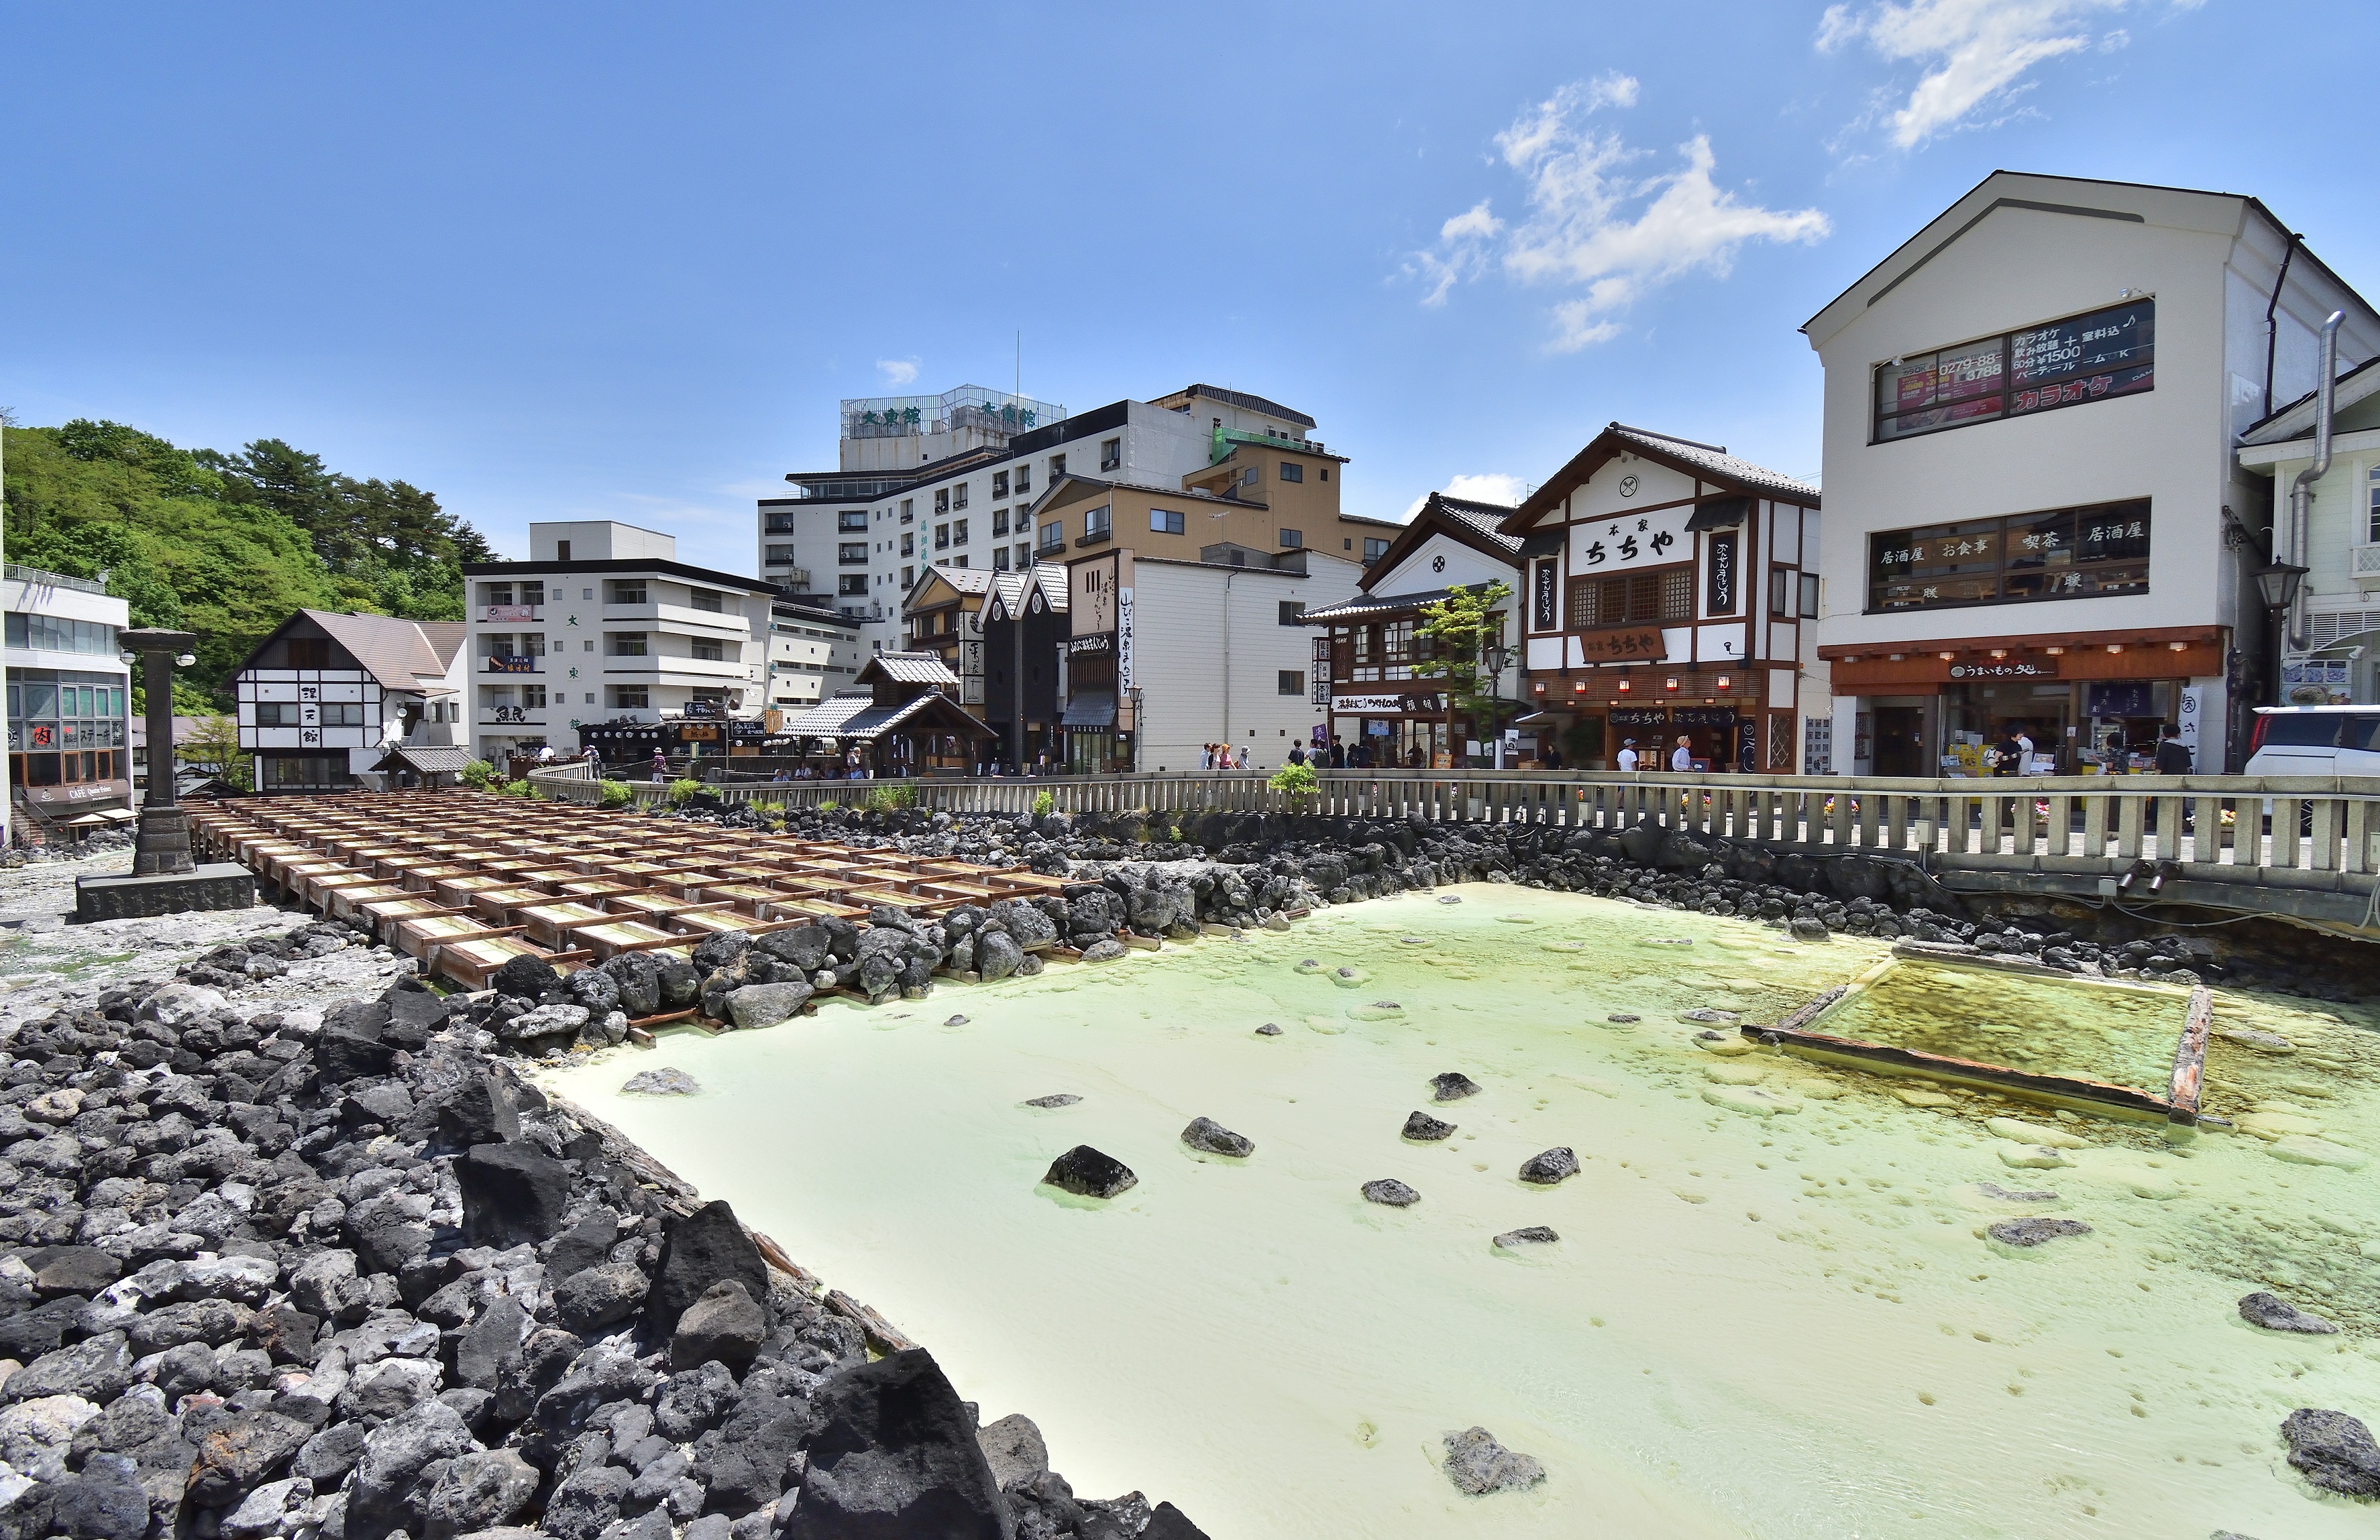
610 262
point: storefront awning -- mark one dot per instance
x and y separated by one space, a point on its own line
1090 709
1719 513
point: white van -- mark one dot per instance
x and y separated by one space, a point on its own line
2315 739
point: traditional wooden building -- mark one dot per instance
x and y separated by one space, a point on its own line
903 720
1372 666
1672 592
1024 624
325 697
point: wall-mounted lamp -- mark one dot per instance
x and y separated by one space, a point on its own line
2055 652
2179 647
1948 657
2115 647
1999 653
1672 683
1722 682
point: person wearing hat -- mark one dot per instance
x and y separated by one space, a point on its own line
1627 755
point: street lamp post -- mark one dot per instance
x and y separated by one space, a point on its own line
2277 586
163 846
1495 655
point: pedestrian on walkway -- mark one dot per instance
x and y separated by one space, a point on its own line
1628 756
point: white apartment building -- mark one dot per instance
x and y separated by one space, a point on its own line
2037 516
813 653
602 623
69 698
954 480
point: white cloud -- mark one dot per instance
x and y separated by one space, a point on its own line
1492 486
1596 226
1973 53
898 371
1592 225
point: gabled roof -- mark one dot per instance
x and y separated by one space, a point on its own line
858 716
1187 495
908 668
426 760
1009 589
409 656
963 581
2296 419
1241 399
1705 462
1476 525
1366 606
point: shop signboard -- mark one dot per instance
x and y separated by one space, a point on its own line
1703 716
2008 668
1646 540
1545 611
1718 573
1093 610
1387 705
1640 718
1627 644
1124 643
2119 697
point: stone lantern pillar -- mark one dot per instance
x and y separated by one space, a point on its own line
164 880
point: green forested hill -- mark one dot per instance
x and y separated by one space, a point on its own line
228 545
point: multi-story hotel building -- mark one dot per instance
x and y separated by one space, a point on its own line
978 480
602 623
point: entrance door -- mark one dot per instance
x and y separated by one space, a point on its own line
1901 741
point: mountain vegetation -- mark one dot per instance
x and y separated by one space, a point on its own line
228 545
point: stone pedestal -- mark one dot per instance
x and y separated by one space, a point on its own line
220 885
163 846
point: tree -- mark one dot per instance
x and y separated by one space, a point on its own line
213 746
1463 625
228 546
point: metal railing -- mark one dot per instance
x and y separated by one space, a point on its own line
2307 846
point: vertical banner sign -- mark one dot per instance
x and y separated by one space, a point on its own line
1720 573
1817 745
1542 607
1124 643
2194 714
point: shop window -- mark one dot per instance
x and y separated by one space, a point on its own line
1661 595
2058 553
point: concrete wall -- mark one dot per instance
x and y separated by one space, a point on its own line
1209 642
600 540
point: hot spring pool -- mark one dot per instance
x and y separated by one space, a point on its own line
1772 1310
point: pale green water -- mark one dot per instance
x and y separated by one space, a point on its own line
1771 1313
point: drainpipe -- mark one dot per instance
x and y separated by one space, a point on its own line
2301 490
1228 575
2271 326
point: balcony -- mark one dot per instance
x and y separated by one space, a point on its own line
848 561
2363 563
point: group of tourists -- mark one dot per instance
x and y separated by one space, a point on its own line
1682 757
1223 756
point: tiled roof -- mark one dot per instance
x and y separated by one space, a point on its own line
428 759
1716 461
910 668
1368 605
857 716
1482 517
964 580
401 654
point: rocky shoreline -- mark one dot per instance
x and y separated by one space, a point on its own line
1166 876
267 1274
